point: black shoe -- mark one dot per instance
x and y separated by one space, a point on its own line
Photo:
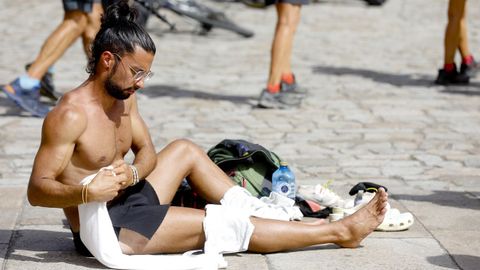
451 77
470 70
47 87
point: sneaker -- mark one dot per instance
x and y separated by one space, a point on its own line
47 87
27 99
321 195
470 70
280 100
451 77
293 88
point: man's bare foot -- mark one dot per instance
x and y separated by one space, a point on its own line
357 226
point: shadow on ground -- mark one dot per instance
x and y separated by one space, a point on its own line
466 262
399 80
47 247
154 91
466 200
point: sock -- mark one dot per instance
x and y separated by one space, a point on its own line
468 60
273 88
288 78
51 69
449 67
27 82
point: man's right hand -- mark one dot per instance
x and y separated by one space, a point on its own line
105 186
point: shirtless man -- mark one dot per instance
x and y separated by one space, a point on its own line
96 124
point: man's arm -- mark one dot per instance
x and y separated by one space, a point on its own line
61 128
142 146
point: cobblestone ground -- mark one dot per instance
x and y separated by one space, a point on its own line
372 114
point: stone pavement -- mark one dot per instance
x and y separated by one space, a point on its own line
373 115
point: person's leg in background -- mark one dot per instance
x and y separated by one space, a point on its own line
92 27
79 20
456 38
281 90
280 65
469 67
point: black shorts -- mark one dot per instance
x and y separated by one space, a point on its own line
138 209
82 5
293 2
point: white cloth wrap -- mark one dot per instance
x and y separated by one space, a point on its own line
227 230
274 207
96 232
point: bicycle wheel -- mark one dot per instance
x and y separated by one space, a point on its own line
206 16
375 2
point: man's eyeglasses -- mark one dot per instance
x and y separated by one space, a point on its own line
137 75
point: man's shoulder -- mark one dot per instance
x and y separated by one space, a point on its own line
67 116
69 109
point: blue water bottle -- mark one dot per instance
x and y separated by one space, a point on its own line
283 181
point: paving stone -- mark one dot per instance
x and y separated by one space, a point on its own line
3 253
12 197
465 255
41 215
43 238
409 253
35 259
243 261
473 161
363 121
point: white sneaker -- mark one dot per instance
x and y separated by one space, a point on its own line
321 195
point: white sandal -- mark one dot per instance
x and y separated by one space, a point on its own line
395 221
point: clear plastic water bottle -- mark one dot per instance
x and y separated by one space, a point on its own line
283 181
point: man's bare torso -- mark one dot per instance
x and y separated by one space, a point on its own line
106 138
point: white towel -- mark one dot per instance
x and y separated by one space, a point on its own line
96 232
227 230
274 207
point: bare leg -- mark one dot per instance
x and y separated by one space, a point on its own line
67 32
182 230
456 14
288 18
92 27
463 40
183 159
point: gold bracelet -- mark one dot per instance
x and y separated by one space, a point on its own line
86 193
83 194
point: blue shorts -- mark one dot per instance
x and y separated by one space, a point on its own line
81 5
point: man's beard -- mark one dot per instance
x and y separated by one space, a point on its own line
115 90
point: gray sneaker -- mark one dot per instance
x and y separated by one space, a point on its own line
293 88
280 100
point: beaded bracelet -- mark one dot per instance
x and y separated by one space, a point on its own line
135 175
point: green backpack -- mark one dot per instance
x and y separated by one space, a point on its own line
249 165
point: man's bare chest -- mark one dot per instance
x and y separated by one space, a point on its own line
102 143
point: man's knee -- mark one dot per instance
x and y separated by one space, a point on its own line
132 242
184 145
